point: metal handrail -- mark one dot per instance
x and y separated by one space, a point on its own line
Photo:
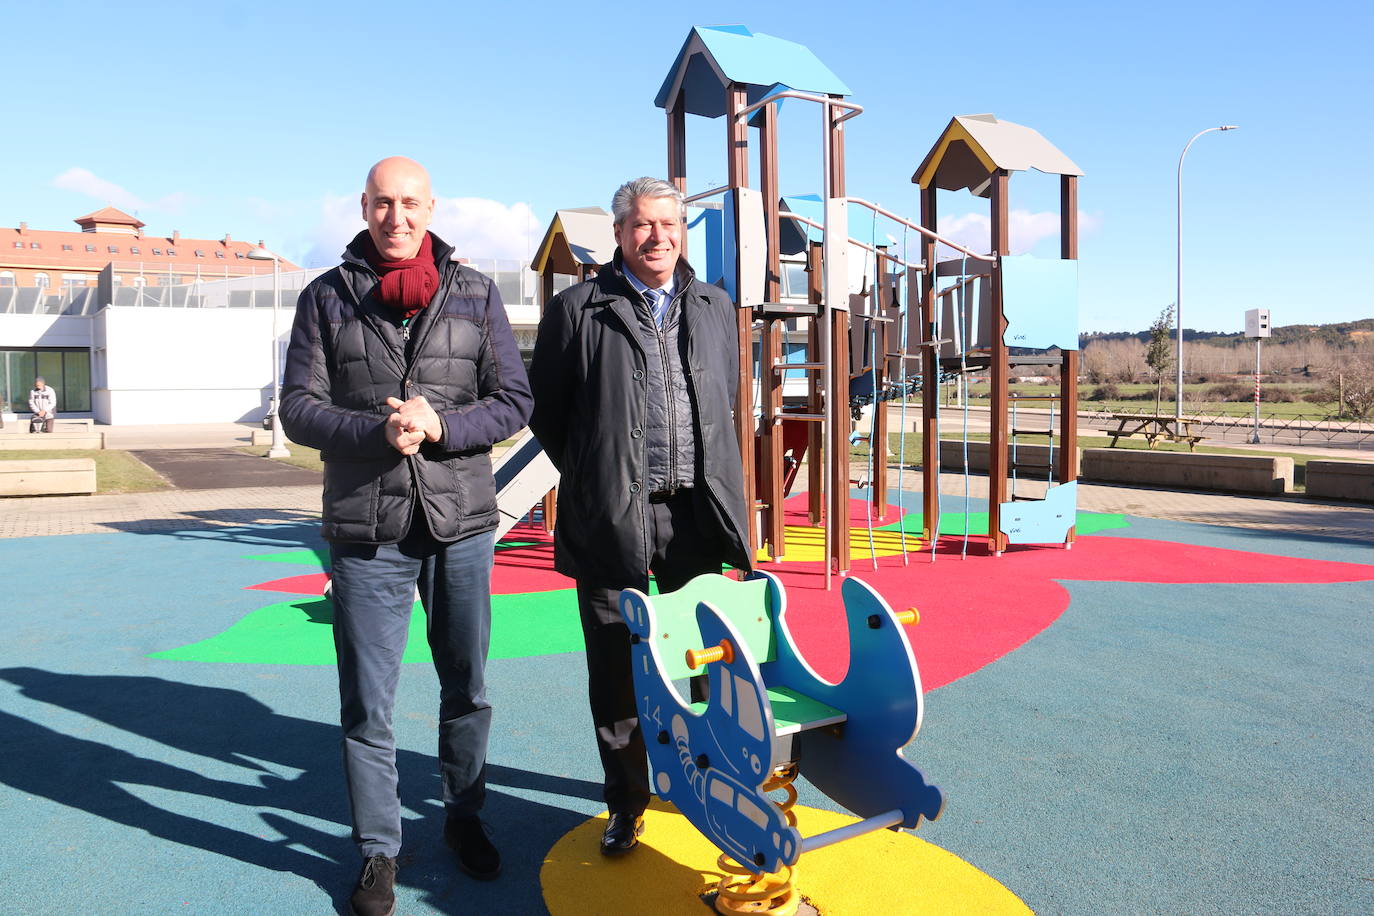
854 109
705 194
921 229
853 241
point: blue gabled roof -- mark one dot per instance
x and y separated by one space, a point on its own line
714 56
792 235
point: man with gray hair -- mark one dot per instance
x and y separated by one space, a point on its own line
634 378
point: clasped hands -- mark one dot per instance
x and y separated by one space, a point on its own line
413 422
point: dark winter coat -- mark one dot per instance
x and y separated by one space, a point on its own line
348 354
590 377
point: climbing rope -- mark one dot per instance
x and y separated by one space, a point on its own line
904 317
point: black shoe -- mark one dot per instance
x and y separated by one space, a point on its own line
622 834
467 836
375 894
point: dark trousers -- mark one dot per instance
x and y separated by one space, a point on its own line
373 589
679 551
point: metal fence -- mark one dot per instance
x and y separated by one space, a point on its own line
1322 430
517 284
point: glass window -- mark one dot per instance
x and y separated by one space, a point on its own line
133 249
67 371
157 251
73 282
42 280
66 248
112 249
794 281
239 255
18 244
34 245
6 278
219 254
199 253
90 248
171 252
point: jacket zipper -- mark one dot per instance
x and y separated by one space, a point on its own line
668 400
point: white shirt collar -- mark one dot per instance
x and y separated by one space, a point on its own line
667 289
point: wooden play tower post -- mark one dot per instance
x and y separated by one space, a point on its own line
978 153
711 92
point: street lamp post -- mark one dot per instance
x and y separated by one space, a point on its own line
278 447
1178 291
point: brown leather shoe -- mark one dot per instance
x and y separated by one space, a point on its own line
375 894
622 834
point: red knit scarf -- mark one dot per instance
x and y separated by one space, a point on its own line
408 285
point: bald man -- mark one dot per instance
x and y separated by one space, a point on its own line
402 370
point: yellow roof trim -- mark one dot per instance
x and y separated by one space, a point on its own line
541 256
955 131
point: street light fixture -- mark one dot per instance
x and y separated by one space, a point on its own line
1178 292
278 447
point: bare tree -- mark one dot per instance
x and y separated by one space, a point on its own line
1354 385
1158 352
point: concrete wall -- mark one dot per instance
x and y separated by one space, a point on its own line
165 365
952 456
1341 480
1229 473
19 331
47 477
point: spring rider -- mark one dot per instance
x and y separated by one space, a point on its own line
771 718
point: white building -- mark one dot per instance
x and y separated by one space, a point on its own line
197 353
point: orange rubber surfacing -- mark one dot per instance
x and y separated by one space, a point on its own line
881 872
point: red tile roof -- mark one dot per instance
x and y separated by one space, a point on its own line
50 256
110 215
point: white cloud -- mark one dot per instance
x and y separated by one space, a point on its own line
84 181
973 230
476 227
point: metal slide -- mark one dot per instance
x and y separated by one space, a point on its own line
523 475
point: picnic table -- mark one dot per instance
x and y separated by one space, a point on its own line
1153 428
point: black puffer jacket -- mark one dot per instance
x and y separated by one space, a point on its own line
347 356
589 377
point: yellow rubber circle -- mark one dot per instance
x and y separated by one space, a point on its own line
880 872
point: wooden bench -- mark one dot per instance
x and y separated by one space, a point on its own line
1152 429
47 477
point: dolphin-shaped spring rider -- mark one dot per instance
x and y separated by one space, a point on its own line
769 711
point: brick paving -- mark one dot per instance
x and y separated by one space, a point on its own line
173 510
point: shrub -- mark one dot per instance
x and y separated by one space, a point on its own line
1105 392
1228 391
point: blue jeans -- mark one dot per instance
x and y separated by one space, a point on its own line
373 592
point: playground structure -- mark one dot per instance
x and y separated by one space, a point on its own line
899 332
877 327
770 719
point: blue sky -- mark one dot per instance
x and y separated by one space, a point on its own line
214 119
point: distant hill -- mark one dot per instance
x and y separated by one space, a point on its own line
1341 334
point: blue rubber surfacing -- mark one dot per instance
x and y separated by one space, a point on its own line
1159 749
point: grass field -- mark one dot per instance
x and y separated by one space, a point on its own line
115 471
300 457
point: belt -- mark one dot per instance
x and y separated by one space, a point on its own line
662 496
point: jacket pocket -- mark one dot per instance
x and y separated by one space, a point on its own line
351 491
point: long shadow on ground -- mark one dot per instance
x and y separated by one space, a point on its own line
232 727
